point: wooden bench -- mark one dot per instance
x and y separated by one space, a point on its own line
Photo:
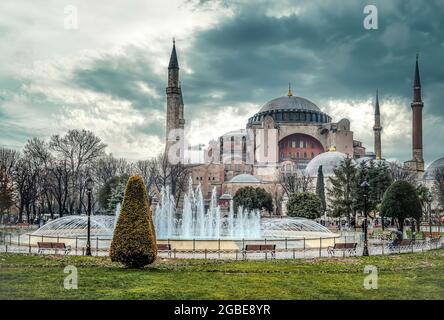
164 247
344 247
53 246
271 248
434 235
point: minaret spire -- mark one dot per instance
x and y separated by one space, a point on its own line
377 129
173 58
175 121
417 163
377 112
417 82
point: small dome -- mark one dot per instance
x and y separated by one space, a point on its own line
236 133
226 196
430 172
244 178
328 160
290 103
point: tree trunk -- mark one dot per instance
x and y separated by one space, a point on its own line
401 225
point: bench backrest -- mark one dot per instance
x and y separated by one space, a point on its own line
163 246
45 245
432 234
51 245
345 245
259 247
268 246
58 245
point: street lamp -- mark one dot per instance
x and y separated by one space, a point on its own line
429 201
89 187
365 187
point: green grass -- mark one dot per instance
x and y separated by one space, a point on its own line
406 276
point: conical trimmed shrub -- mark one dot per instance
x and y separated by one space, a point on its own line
134 240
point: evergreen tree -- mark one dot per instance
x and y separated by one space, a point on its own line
116 197
401 201
379 185
341 191
362 174
320 189
134 240
253 199
305 205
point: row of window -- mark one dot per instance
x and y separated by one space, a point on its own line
296 143
209 178
296 155
292 116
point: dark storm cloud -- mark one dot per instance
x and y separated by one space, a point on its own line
119 76
323 50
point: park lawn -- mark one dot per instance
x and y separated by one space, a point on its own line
406 276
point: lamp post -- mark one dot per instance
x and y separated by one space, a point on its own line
365 187
89 187
429 202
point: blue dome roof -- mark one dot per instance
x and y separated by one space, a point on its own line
290 109
290 103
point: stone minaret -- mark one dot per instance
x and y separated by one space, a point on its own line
174 119
377 129
417 106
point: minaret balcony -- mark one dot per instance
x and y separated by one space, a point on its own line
173 90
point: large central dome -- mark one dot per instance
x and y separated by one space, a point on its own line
290 109
289 103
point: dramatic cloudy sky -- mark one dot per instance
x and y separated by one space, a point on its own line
109 74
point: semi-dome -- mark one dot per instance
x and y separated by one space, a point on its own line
244 178
430 172
290 109
328 160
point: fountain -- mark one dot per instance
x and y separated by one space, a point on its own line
197 223
192 226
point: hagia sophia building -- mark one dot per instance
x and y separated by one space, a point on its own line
288 134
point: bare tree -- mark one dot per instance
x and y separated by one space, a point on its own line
8 159
295 181
25 182
79 149
143 169
399 172
165 174
108 167
38 153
